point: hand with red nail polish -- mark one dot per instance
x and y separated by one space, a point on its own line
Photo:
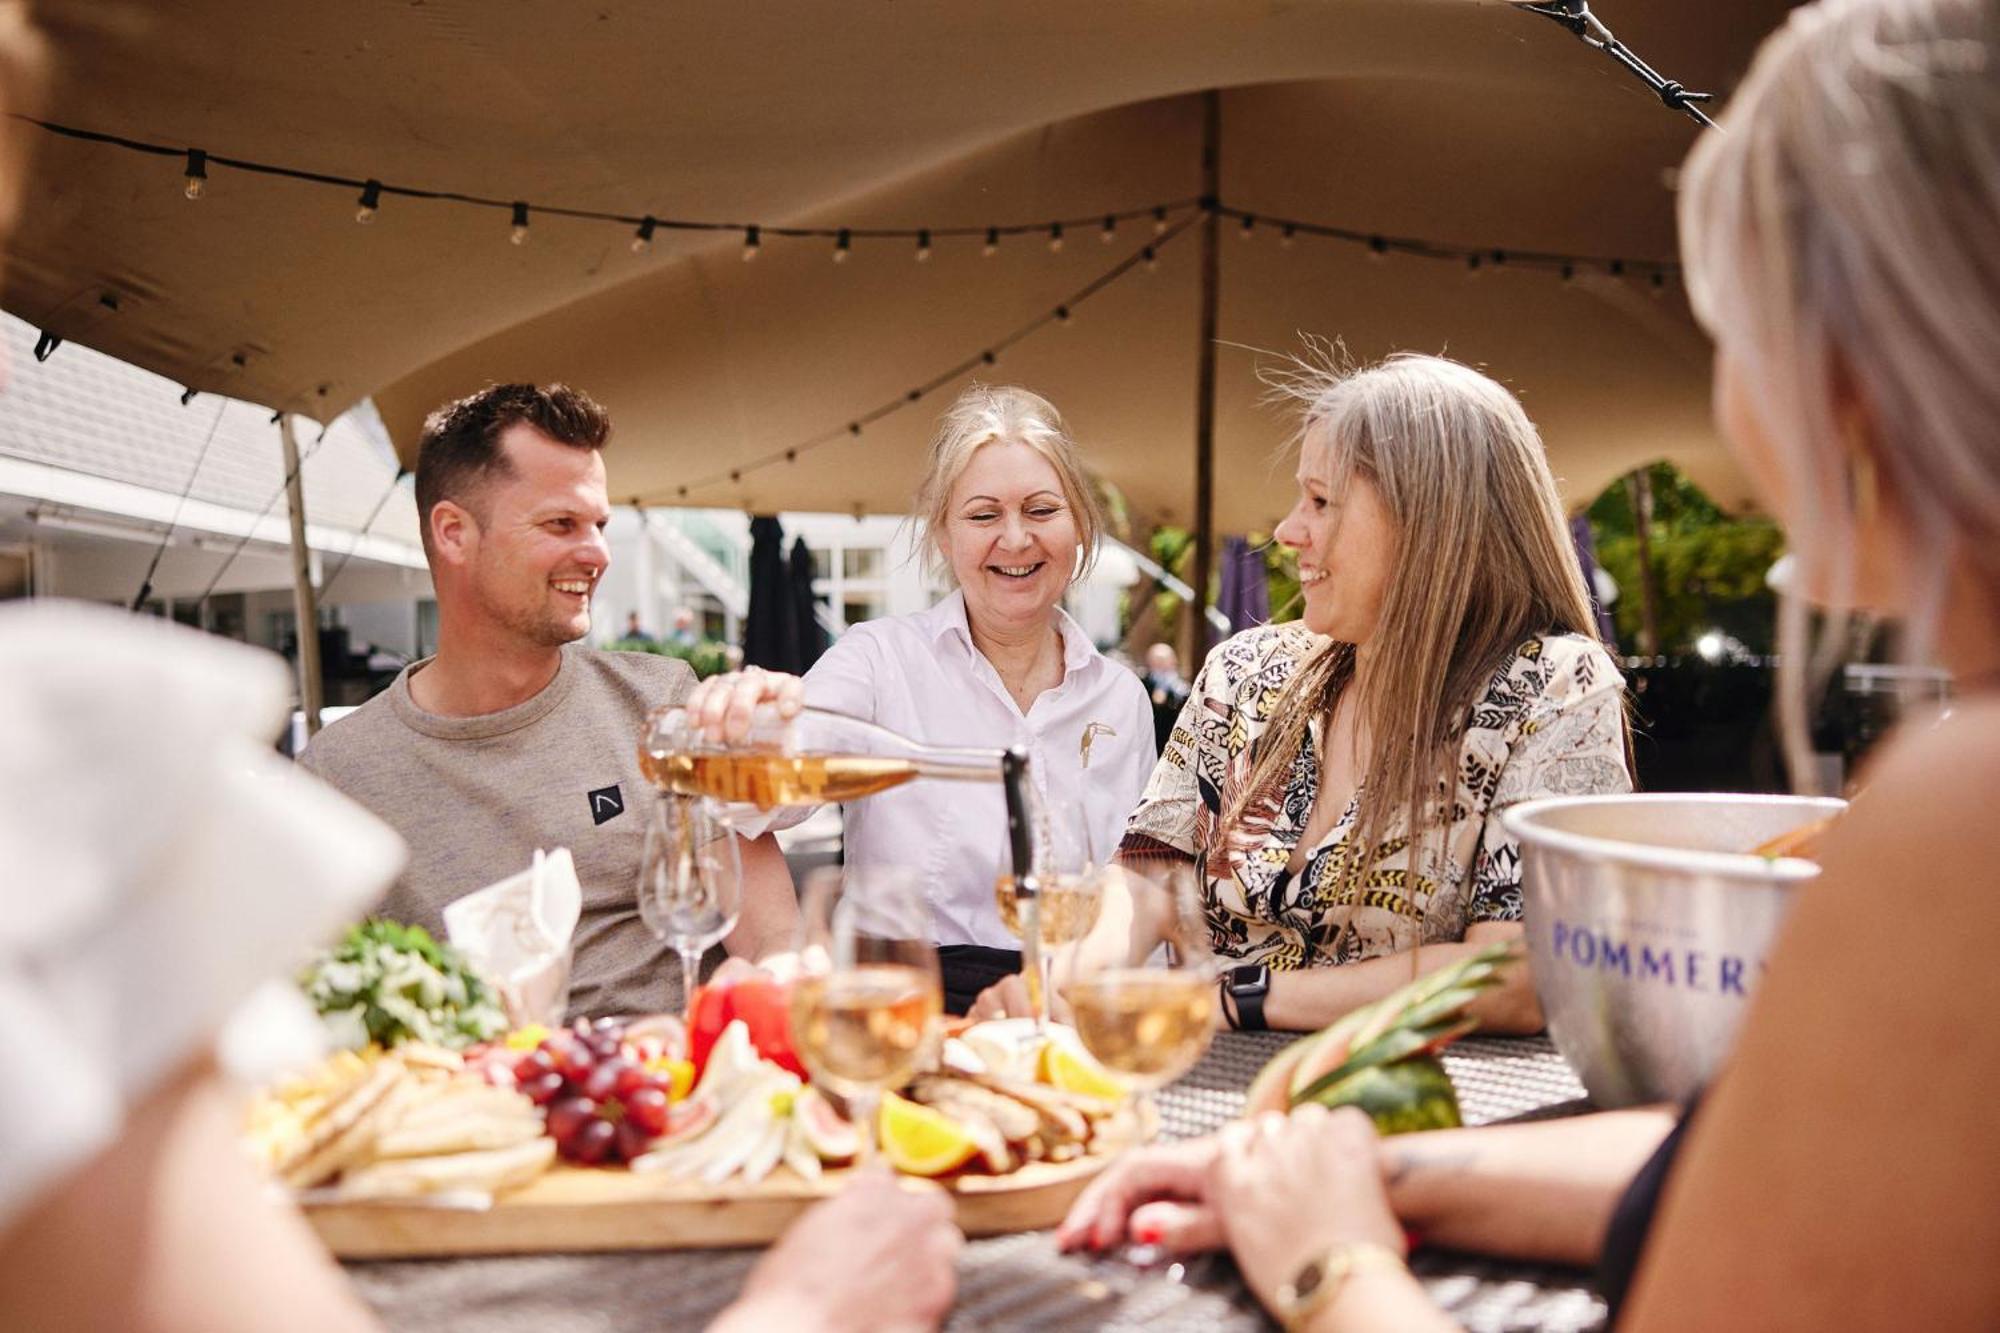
1154 1196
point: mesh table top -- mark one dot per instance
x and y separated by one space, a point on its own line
1020 1281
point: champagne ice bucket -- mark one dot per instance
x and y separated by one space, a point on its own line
1648 925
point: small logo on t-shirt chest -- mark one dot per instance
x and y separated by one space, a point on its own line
606 803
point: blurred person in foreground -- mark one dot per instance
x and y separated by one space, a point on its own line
515 735
1841 234
143 822
1335 783
1005 510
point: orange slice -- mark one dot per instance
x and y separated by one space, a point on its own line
920 1141
1073 1071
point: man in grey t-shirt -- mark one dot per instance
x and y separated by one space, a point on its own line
513 736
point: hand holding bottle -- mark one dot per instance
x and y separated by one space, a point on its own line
723 705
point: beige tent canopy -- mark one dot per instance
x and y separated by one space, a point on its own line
1461 122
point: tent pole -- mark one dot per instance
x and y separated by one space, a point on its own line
1204 422
305 600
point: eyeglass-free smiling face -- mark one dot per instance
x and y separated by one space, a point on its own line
1009 535
1346 545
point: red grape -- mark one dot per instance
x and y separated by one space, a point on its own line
606 1080
593 1142
572 1058
568 1116
647 1108
633 1141
545 1088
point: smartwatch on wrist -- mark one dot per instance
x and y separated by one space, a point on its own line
1247 986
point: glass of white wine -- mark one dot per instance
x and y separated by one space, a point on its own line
690 881
866 1006
1064 902
1148 1011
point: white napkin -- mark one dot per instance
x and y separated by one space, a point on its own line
158 859
517 934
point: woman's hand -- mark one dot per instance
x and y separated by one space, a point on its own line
1154 1196
1289 1187
1008 998
723 704
878 1256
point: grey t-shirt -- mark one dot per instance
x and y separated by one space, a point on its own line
475 796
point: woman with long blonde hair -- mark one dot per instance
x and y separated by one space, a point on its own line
1336 781
1842 240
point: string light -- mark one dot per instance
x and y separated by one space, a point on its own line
841 246
1378 249
854 429
196 174
371 202
642 239
1062 314
1659 282
1568 274
1152 259
988 356
1472 265
923 247
1287 234
519 235
992 245
1249 226
753 241
1110 232
1160 221
1055 238
1499 259
1616 268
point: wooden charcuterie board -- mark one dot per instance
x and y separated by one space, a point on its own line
580 1209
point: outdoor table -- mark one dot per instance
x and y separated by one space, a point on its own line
1021 1281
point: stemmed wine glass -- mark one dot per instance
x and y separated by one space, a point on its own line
865 1008
690 881
1064 904
1147 1011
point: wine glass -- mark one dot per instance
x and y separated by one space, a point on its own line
690 881
1147 1011
866 1005
1061 906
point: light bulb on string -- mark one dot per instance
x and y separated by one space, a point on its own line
197 174
642 239
519 235
1378 249
992 245
1616 268
1062 314
1055 238
1287 234
753 241
923 247
1472 264
1568 274
1160 221
842 245
1499 259
989 356
371 202
1248 228
1110 231
1152 259
1659 282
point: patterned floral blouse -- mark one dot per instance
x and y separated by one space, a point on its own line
1550 723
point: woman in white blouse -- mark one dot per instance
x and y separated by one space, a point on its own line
1007 513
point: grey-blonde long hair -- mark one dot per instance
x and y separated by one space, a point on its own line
1484 562
1003 414
1842 241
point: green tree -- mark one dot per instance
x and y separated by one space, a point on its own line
1708 567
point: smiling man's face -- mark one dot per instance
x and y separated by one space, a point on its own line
540 550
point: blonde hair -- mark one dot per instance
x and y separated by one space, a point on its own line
1484 562
1842 244
1003 414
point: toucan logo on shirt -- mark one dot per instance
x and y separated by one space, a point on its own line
606 803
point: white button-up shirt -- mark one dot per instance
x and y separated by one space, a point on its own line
1089 741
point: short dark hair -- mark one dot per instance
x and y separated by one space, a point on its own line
459 450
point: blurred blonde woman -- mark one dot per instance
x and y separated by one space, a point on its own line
1336 781
1842 241
1005 512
